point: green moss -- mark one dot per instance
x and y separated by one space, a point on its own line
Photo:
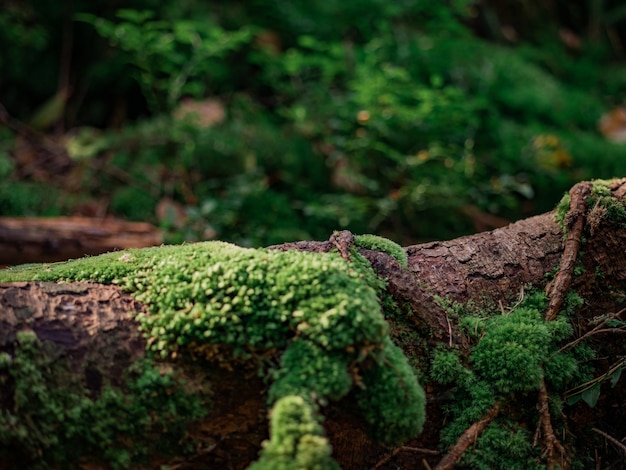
391 400
297 439
321 314
503 446
52 422
513 350
561 211
601 205
376 243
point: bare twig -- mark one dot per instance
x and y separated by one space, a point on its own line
610 438
598 329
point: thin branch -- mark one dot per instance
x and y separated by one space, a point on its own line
596 330
610 438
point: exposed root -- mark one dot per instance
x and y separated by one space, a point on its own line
575 221
467 438
553 450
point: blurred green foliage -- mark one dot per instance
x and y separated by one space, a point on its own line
264 122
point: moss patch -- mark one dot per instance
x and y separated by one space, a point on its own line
297 440
512 352
601 206
321 315
49 421
376 243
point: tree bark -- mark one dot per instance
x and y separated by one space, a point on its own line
92 323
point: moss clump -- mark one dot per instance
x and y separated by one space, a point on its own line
503 446
322 314
560 213
376 243
50 421
513 352
389 397
297 439
601 204
604 206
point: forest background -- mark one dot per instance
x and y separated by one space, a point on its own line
263 121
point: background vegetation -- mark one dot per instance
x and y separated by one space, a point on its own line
264 121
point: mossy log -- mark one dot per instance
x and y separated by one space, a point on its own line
94 333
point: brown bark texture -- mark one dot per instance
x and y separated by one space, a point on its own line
91 322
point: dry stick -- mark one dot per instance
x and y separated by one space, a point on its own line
621 446
575 221
468 438
600 328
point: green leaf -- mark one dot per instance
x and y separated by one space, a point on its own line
591 395
134 16
615 377
573 399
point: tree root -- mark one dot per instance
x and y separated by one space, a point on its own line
553 450
467 438
575 222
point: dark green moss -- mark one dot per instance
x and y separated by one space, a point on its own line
49 419
513 350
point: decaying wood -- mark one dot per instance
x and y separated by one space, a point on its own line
90 320
37 239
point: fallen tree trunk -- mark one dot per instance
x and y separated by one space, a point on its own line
483 279
49 239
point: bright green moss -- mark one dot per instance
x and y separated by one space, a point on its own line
297 439
53 422
307 370
320 312
376 243
561 211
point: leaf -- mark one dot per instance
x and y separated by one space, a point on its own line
134 16
591 395
615 377
573 399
